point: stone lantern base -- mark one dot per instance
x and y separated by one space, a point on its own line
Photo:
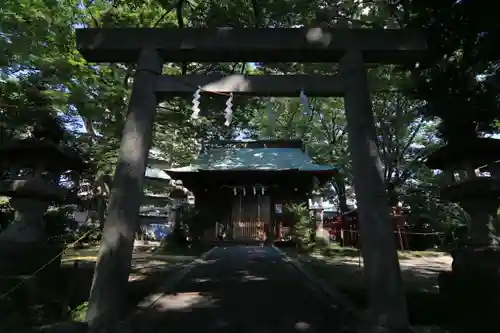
321 236
472 289
18 258
24 248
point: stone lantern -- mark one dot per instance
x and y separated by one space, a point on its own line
473 286
32 169
316 208
178 194
191 199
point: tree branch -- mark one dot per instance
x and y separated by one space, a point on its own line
412 137
256 13
162 17
180 23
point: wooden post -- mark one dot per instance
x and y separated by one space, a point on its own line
352 239
401 240
107 297
386 299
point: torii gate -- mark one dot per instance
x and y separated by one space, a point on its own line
150 48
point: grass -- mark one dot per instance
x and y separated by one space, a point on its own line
335 250
62 296
88 253
343 269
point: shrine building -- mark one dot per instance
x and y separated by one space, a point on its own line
246 185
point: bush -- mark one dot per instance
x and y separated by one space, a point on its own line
303 225
57 224
6 213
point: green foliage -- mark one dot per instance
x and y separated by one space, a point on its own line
6 213
194 223
303 224
43 73
429 214
86 233
41 53
78 313
57 224
461 81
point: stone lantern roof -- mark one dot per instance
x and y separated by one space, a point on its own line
475 153
32 152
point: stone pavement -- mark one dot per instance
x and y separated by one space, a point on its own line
244 289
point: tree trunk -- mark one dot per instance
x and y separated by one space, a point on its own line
392 195
101 210
108 293
341 192
386 299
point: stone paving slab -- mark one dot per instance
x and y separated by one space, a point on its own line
244 289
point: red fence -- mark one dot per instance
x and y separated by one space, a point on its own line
345 230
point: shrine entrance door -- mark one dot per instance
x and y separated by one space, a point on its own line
251 216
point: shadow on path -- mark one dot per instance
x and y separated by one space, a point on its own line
244 289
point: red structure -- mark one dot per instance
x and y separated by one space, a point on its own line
345 229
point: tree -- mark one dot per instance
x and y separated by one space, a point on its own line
461 82
38 37
405 138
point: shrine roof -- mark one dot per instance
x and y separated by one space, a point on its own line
254 159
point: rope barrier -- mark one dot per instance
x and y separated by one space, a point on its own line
394 231
398 232
352 235
120 322
31 276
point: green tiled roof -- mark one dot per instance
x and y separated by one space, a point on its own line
240 159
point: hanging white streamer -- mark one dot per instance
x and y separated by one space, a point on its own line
305 102
196 104
229 110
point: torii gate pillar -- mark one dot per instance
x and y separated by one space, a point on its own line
377 238
113 262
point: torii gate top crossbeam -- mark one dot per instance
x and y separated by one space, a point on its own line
251 44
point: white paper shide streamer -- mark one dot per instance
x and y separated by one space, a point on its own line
229 110
196 104
305 103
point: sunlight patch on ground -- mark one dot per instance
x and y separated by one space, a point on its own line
150 264
80 258
208 262
302 327
200 280
249 277
137 277
418 273
178 301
